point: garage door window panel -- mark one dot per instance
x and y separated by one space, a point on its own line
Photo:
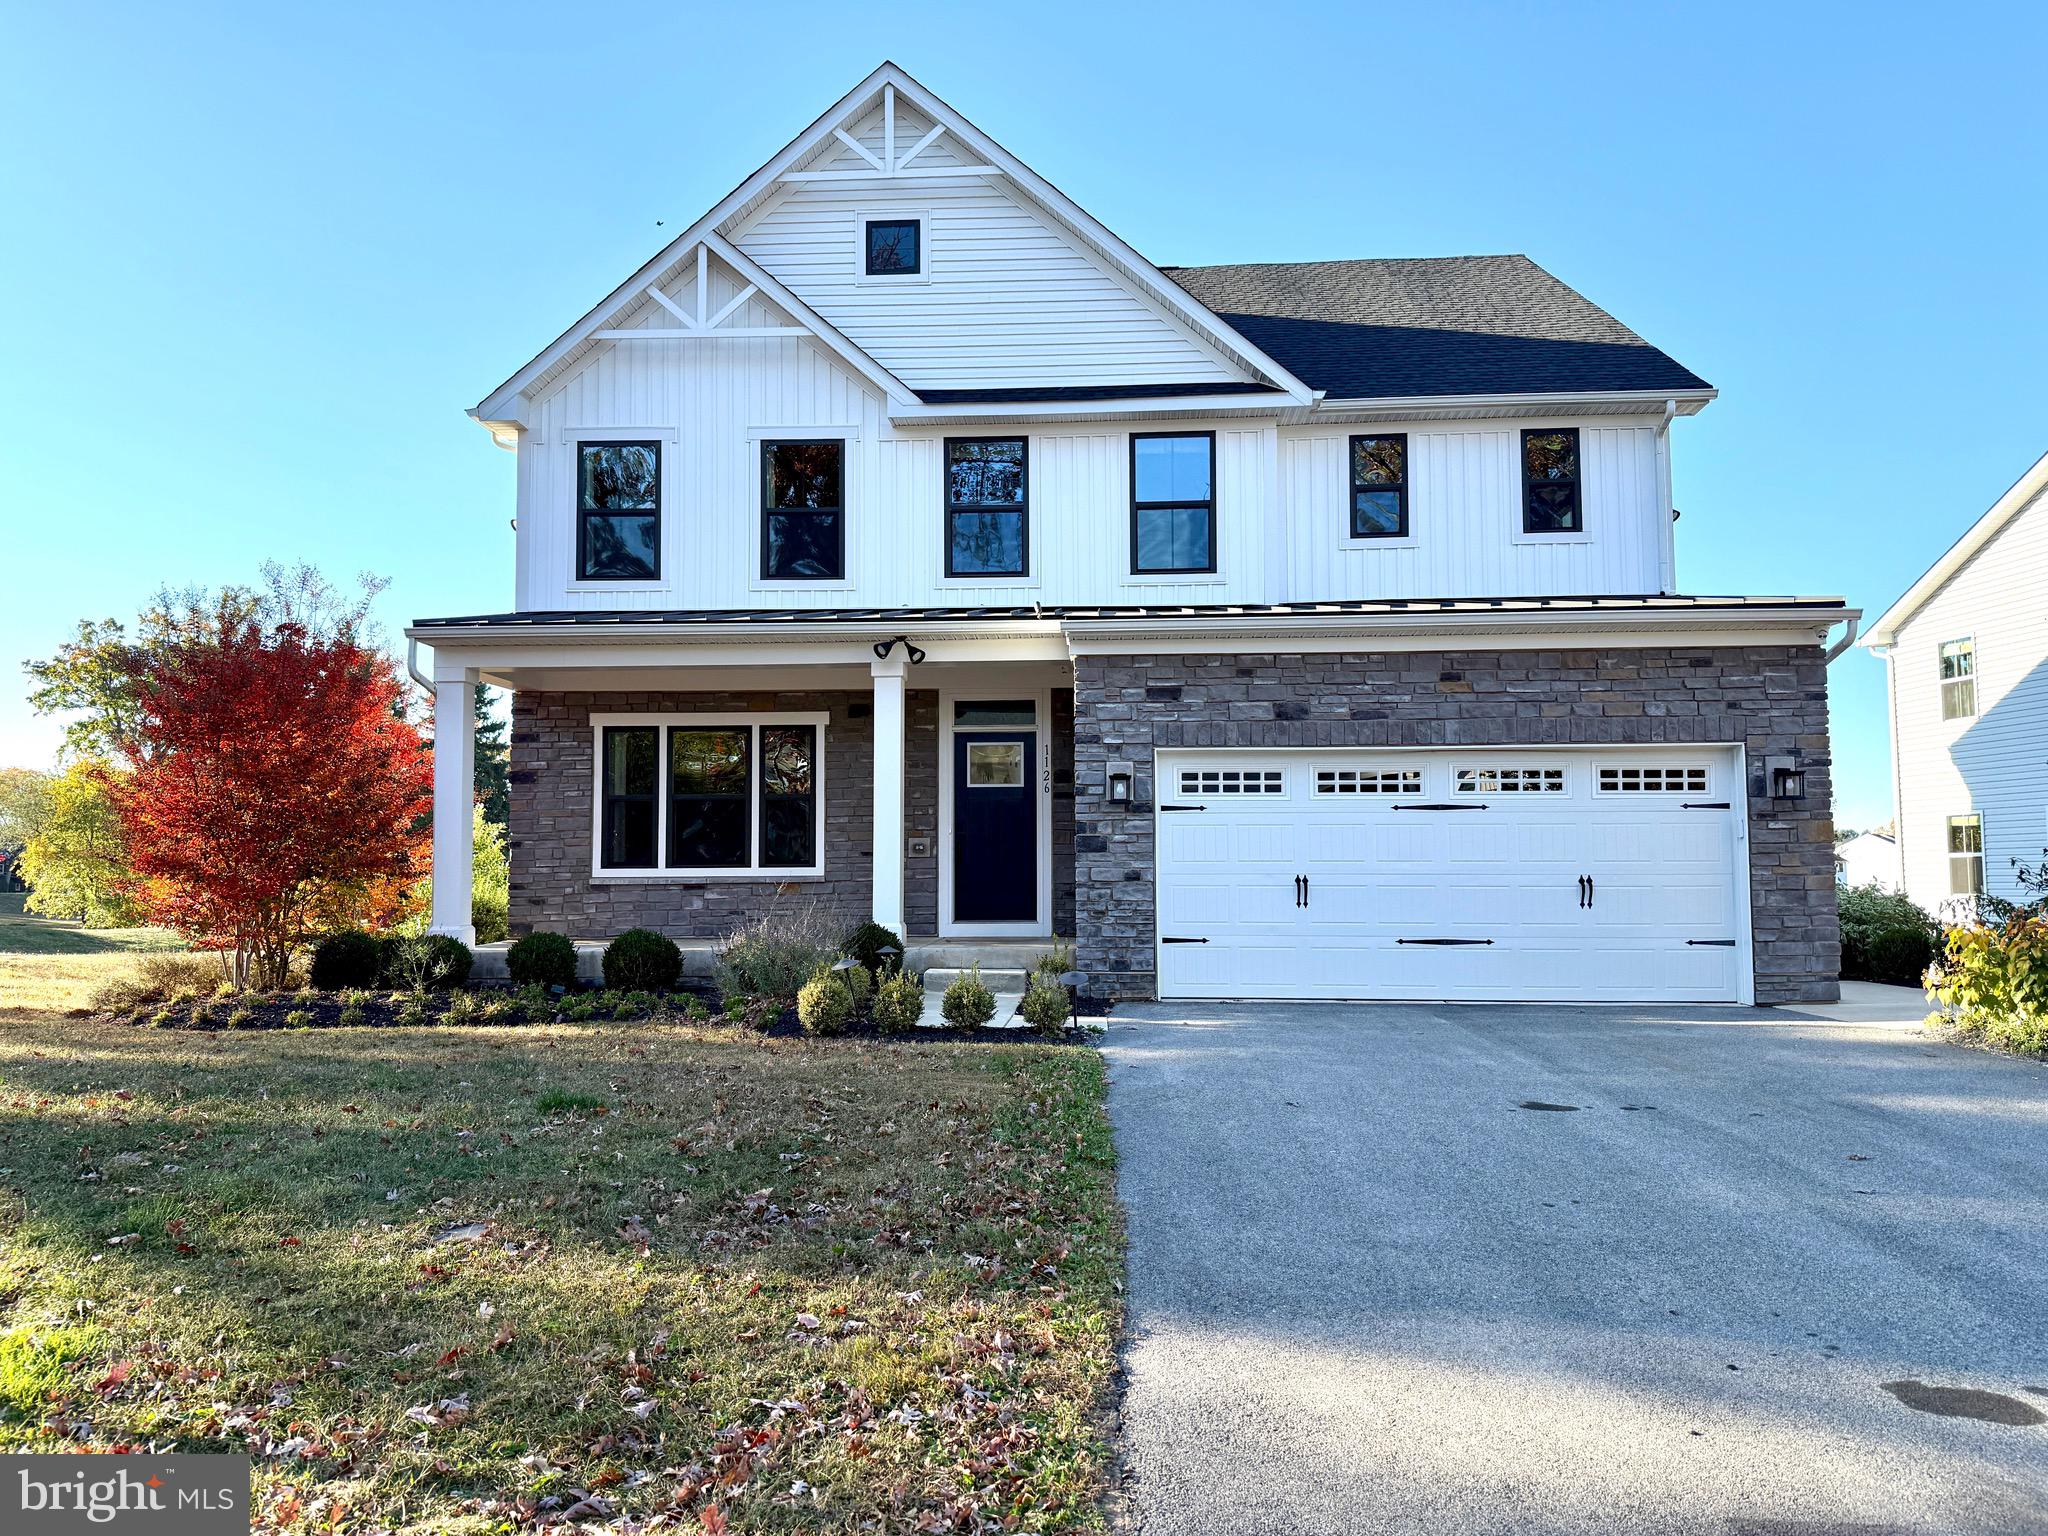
1652 779
1510 781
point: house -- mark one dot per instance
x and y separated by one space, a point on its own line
1869 858
899 540
1966 653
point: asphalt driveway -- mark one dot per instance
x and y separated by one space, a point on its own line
1382 1278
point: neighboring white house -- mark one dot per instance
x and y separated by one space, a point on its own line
1967 654
899 542
1869 858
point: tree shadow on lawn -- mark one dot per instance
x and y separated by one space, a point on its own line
265 1222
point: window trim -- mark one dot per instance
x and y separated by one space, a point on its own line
765 445
949 507
578 576
1948 827
1215 554
921 217
754 869
1578 484
1351 533
1942 683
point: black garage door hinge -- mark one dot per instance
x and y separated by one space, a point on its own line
1440 806
1443 941
1703 805
1183 807
1183 941
1712 943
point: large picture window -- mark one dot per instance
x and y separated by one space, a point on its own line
711 795
1379 487
987 511
1550 482
1173 502
803 518
618 511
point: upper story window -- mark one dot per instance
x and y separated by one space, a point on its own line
895 247
1173 502
718 795
618 511
1550 482
803 517
1958 679
1379 487
987 511
1966 855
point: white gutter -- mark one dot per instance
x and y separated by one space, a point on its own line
1681 403
412 665
1848 639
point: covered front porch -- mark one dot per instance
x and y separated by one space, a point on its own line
691 784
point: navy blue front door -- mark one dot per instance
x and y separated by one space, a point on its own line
995 827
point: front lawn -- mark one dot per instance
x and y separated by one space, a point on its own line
52 966
495 1278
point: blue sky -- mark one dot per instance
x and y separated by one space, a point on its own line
258 261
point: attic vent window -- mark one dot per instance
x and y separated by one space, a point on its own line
895 247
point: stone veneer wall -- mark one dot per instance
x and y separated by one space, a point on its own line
1770 699
553 784
921 808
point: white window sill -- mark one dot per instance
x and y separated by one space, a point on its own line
699 876
1175 579
1349 546
1550 538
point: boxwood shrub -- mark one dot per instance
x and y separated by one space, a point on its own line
641 960
1885 937
350 958
542 960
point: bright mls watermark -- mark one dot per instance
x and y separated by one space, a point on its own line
164 1495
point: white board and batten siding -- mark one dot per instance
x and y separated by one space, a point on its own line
1994 763
1465 516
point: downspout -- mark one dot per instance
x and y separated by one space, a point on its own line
1848 639
412 666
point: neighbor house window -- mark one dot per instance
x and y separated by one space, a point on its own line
1958 679
1379 487
1550 482
713 794
1966 855
894 247
618 511
1173 502
987 513
803 518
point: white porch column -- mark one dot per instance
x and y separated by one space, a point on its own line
888 792
454 804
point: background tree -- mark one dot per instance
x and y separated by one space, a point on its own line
493 759
74 856
274 768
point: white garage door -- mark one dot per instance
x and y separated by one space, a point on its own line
1489 873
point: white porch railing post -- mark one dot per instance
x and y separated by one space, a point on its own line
454 805
888 792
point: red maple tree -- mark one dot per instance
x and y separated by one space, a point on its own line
275 774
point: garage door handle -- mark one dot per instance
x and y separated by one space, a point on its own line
1300 895
1589 890
1582 890
1443 941
1183 941
1442 807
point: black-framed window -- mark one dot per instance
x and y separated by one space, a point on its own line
708 826
618 511
895 247
1379 486
1173 502
987 506
1550 482
803 517
789 796
630 787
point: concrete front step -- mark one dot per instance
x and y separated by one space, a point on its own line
700 957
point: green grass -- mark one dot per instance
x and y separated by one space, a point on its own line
49 966
863 1287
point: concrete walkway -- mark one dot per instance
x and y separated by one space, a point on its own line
1433 1269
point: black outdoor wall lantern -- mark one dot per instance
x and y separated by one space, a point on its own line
1120 789
1785 779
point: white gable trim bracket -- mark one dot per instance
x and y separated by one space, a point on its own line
891 166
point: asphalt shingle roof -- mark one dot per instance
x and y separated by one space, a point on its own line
1458 325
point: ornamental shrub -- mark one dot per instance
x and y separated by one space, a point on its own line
777 953
350 958
640 960
427 962
542 960
1992 984
1885 937
859 981
899 1002
1045 1006
968 1003
867 942
823 1005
